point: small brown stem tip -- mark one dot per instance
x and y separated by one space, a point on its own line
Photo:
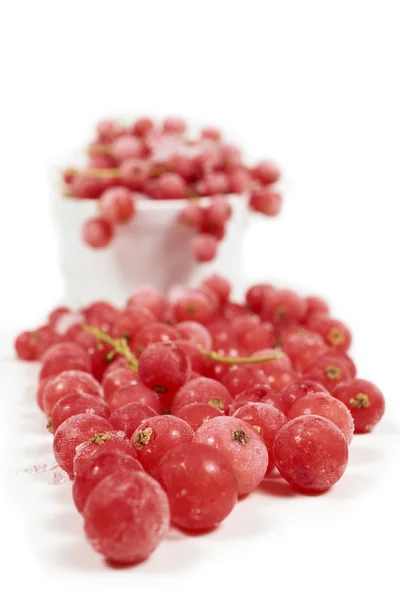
240 436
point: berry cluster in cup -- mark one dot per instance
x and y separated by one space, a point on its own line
171 408
161 161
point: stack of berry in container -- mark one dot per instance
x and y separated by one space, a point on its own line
157 203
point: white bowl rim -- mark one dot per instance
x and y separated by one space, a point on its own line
150 204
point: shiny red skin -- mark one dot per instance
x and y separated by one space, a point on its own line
200 484
76 404
163 433
202 390
103 463
71 433
130 416
365 402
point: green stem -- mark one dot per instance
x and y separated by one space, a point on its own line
120 346
238 360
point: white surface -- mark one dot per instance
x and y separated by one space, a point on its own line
154 249
274 540
312 84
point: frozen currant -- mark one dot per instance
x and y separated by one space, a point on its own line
200 484
311 453
126 516
241 444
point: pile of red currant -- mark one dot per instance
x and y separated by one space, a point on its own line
168 410
162 162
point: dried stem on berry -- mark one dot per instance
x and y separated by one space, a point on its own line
240 436
217 403
120 346
142 438
332 372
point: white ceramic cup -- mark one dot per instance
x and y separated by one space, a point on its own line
152 250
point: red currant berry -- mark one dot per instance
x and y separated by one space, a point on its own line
243 377
126 516
329 371
71 433
213 183
266 201
266 419
97 232
164 368
239 180
211 133
107 131
192 215
66 383
298 389
311 453
334 332
200 484
315 306
195 333
324 405
117 378
155 436
194 306
219 285
365 402
151 299
279 378
130 416
202 390
55 315
26 346
241 444
262 393
174 125
137 393
102 311
204 247
198 413
255 296
282 307
85 187
76 404
110 440
126 147
266 172
134 173
171 186
142 126
196 359
117 205
130 322
300 341
152 334
103 463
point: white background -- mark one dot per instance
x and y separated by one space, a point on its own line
313 84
